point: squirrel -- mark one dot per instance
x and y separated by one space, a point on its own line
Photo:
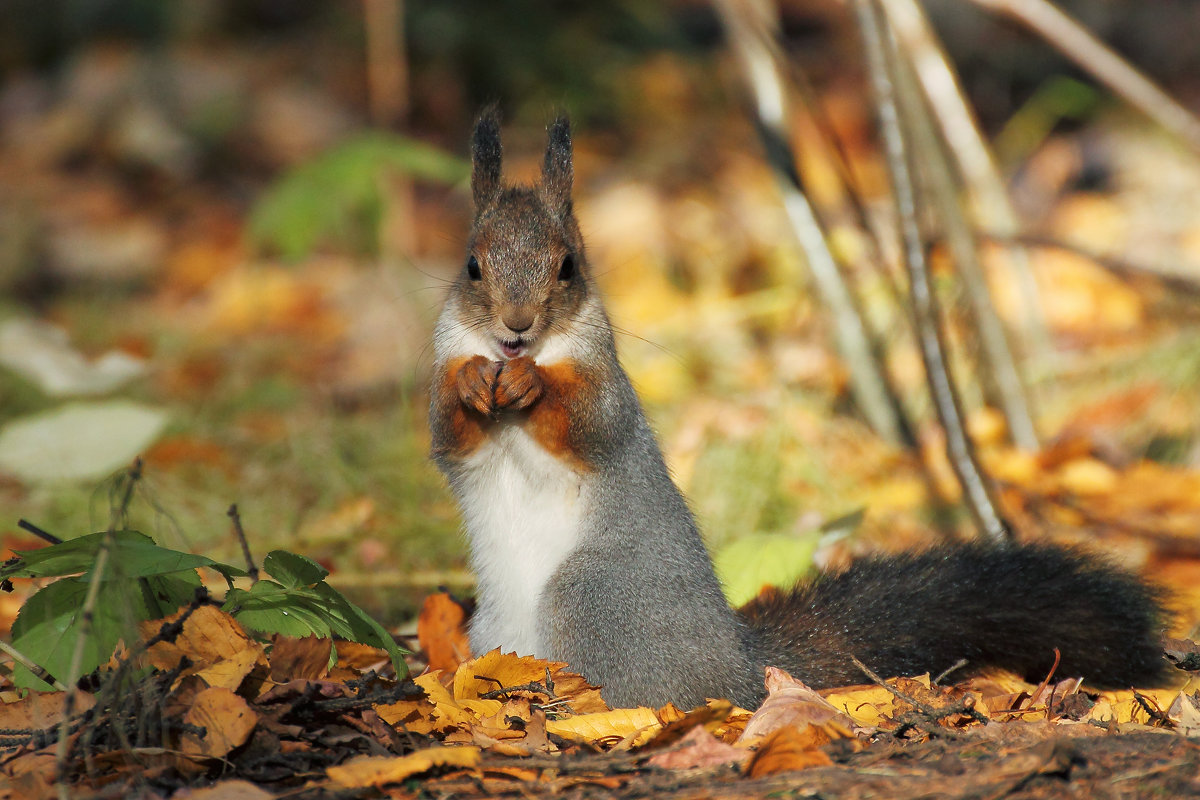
586 552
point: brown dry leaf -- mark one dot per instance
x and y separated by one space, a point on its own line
360 657
306 659
605 725
1185 711
697 749
677 725
441 630
788 749
225 790
30 776
507 741
790 703
41 709
368 771
226 718
209 635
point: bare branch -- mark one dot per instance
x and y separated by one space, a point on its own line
1103 63
882 65
753 31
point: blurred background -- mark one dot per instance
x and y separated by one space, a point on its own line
226 228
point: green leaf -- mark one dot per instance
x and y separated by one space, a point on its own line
748 564
292 570
336 198
302 603
270 608
131 555
50 623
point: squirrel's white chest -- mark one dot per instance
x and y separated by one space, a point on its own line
522 509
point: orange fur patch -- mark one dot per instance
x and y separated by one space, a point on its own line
565 392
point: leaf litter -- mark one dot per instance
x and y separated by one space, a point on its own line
215 707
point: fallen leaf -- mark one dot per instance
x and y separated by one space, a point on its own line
788 749
441 630
226 718
41 709
306 658
225 790
699 749
605 725
677 725
229 672
1185 711
791 703
368 771
220 650
496 670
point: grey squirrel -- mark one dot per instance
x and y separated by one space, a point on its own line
586 552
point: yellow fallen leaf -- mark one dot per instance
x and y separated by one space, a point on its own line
618 723
866 705
228 673
367 771
1122 707
496 670
1087 476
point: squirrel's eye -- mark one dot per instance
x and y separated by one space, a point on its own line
567 270
473 269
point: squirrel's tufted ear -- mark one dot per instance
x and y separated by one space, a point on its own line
485 157
557 172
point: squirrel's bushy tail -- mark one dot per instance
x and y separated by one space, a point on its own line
1003 607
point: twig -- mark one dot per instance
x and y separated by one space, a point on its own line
957 665
960 130
976 492
927 713
38 532
1102 62
95 579
1001 365
240 534
38 671
1157 715
752 28
1046 682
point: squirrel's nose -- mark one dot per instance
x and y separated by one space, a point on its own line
517 319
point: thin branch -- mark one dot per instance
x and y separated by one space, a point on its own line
41 533
1102 62
117 515
990 200
881 62
1000 364
752 28
25 661
240 534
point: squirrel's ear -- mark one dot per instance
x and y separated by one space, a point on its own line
485 157
557 172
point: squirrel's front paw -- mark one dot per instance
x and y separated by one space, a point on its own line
477 384
518 385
